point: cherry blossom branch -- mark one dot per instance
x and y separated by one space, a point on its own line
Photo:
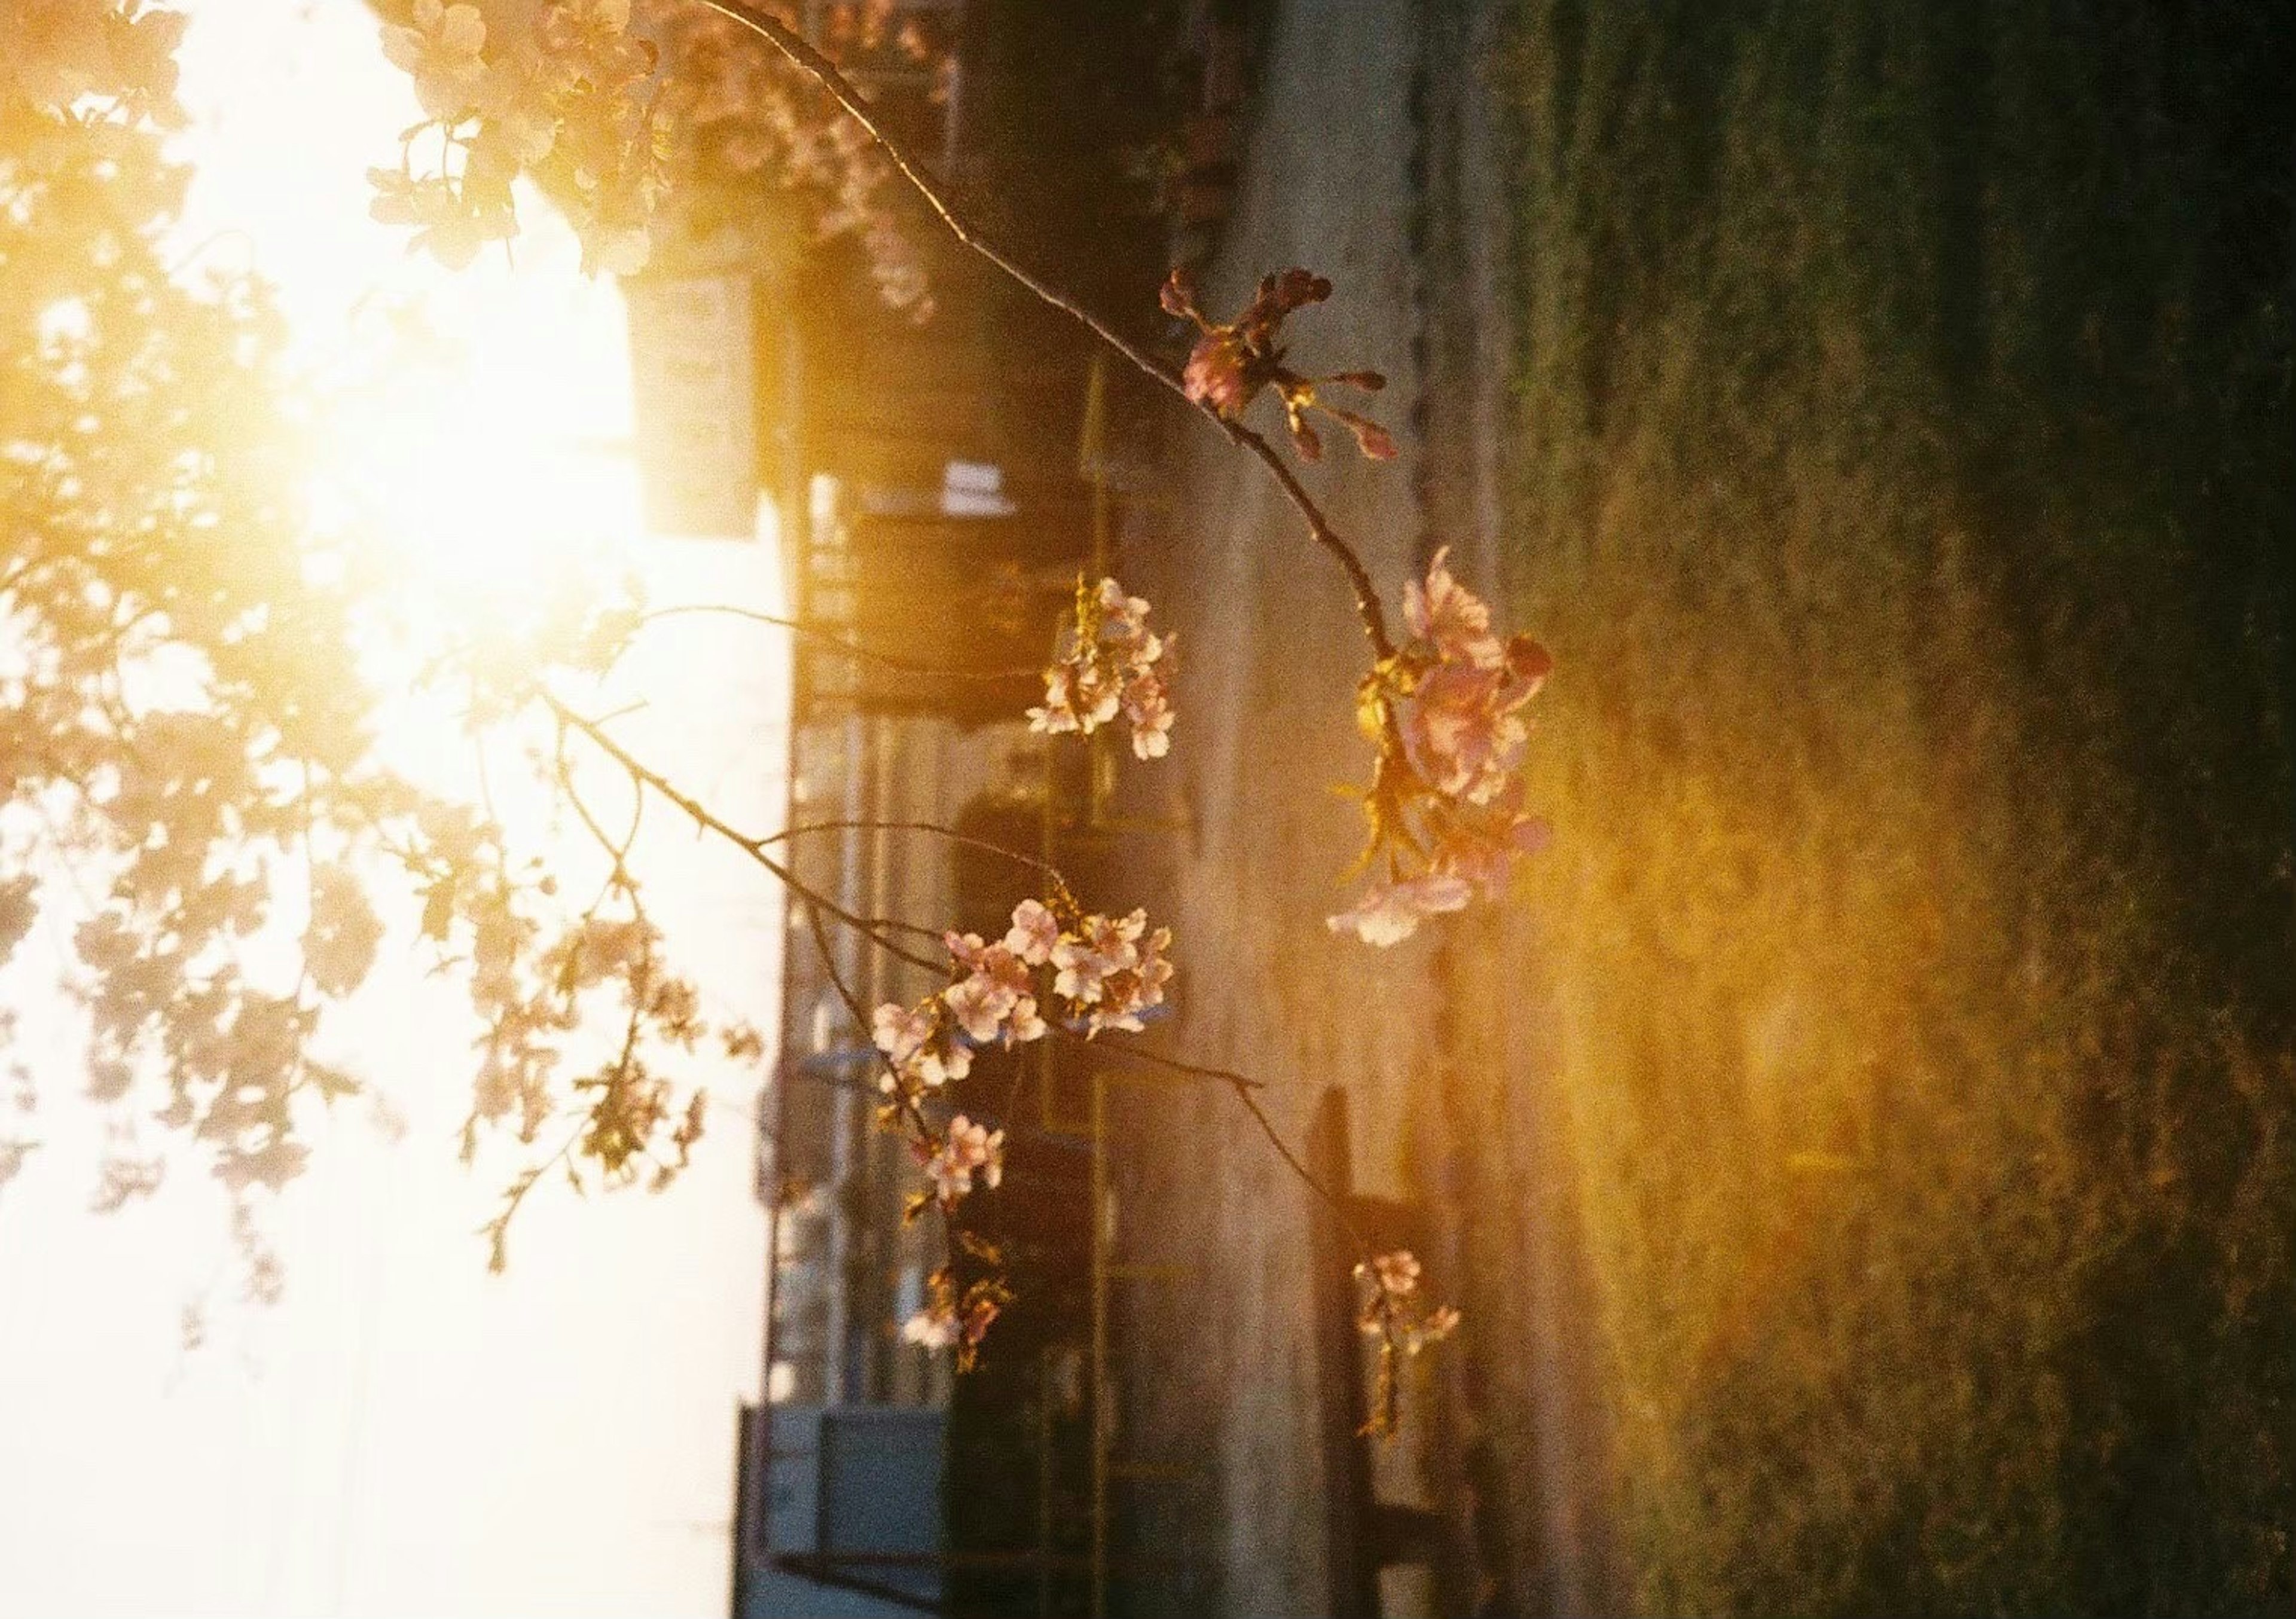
706 820
824 72
874 929
1226 1077
964 839
797 626
966 1297
497 1230
1383 1314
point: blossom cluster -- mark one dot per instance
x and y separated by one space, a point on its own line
67 59
586 102
1232 361
1105 972
966 1150
733 114
1110 663
1393 1311
1094 972
1445 806
571 102
956 1317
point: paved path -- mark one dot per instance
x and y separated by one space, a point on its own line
1374 160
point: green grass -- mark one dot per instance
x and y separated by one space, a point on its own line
1907 490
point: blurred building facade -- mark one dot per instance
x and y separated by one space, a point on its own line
940 486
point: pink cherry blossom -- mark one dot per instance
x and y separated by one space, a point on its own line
1484 849
1445 612
1026 1023
969 1149
1447 801
918 1047
1457 712
1035 931
979 1005
944 1062
1232 361
1129 991
1058 716
1149 711
1123 619
1390 912
994 1001
901 1032
1460 732
1109 663
1100 945
1110 969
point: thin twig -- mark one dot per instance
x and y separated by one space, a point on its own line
824 72
706 820
966 839
1130 1053
497 1230
1368 609
910 1111
883 661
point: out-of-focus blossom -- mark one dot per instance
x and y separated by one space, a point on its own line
731 109
1392 1312
968 1150
440 47
450 223
1109 663
1232 361
68 52
571 101
1439 1323
1390 912
520 100
1397 1272
950 1321
932 1328
919 1047
1483 849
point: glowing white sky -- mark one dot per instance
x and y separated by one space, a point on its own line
405 1435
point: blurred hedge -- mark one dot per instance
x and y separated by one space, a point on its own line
1908 489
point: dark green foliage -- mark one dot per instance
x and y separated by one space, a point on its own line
1907 493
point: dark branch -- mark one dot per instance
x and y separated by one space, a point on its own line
883 661
794 45
706 820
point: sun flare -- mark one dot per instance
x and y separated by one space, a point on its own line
468 463
470 427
